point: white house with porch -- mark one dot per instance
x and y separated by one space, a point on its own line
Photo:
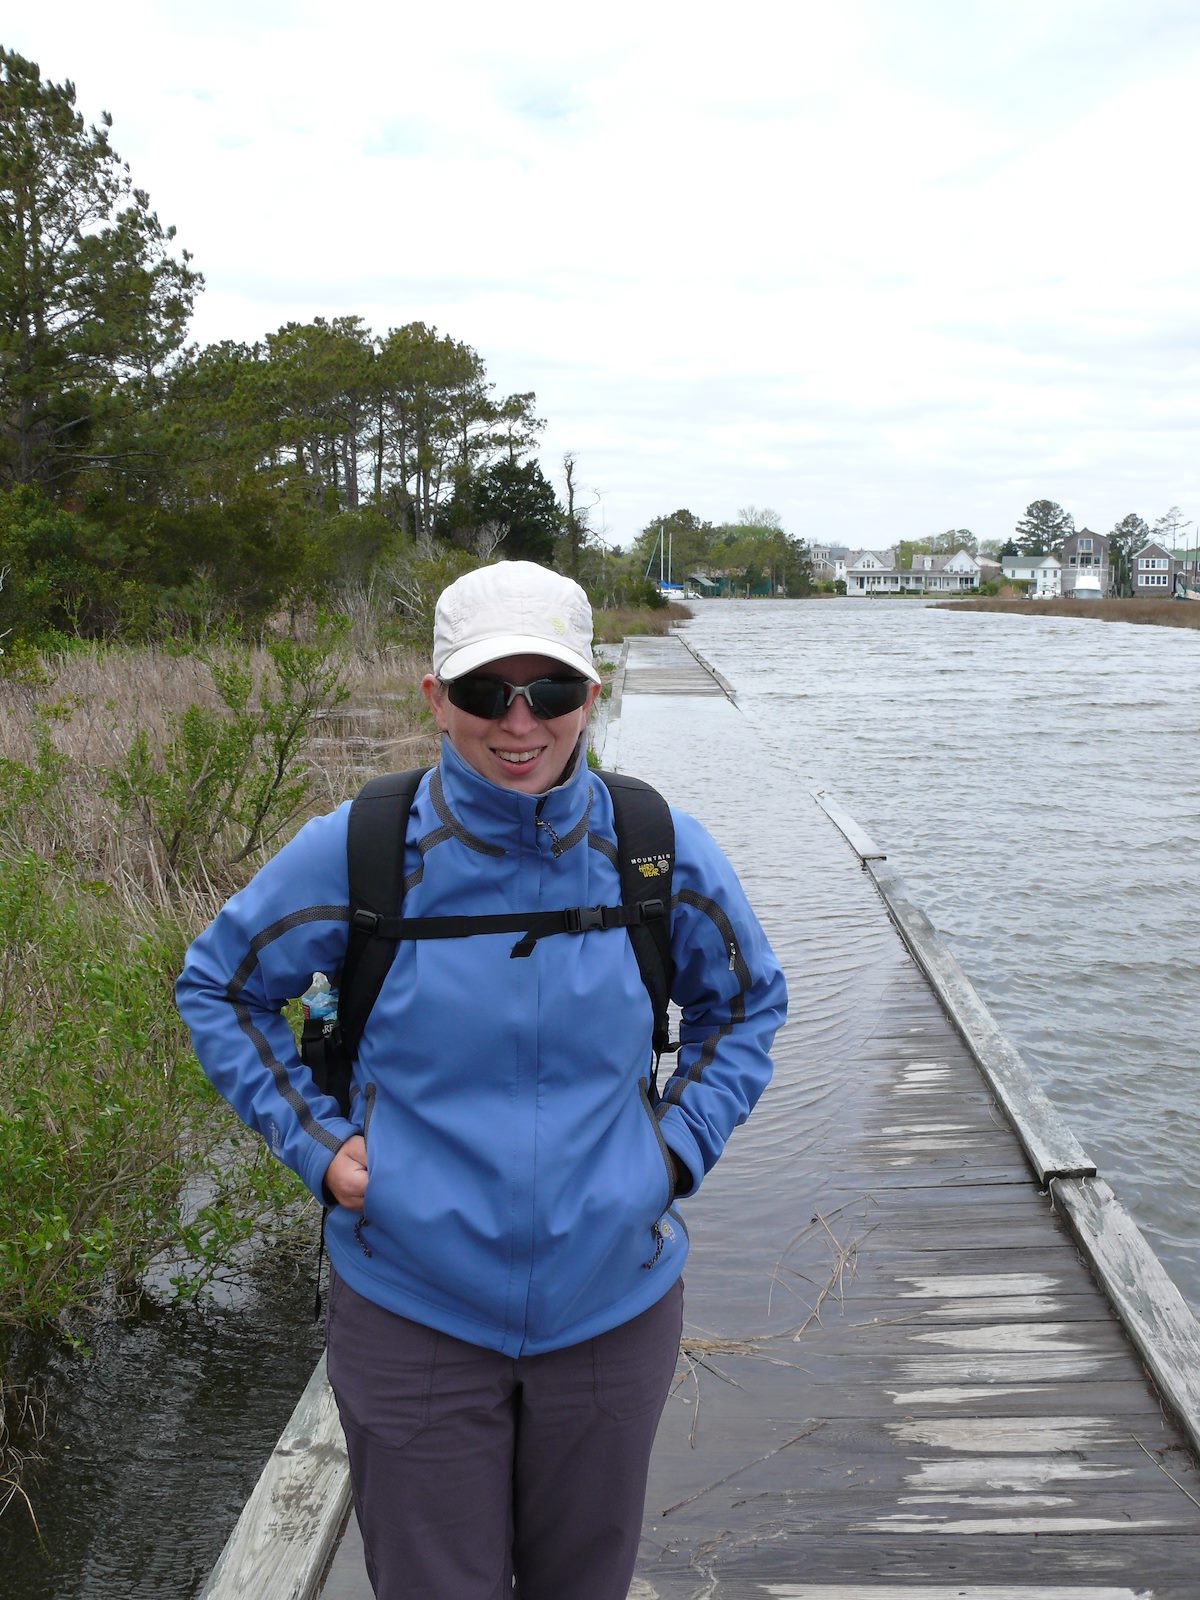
876 572
944 574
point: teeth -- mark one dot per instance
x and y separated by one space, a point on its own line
517 757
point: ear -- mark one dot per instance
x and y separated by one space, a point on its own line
434 691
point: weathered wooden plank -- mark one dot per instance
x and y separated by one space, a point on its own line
985 1506
928 1566
1032 1339
943 1591
1006 1199
1025 1397
938 1371
934 1453
856 836
868 1309
726 687
282 1540
1153 1311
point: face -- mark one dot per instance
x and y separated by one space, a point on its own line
517 751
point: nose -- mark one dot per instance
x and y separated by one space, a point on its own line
519 718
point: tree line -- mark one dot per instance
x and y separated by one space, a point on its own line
146 483
753 554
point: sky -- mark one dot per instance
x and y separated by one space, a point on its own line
887 267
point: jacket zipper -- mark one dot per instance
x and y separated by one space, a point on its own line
364 1221
656 1232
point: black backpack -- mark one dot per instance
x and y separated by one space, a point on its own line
375 853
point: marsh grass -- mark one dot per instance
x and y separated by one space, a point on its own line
129 768
1166 613
623 622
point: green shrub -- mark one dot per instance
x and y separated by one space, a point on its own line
231 781
115 1153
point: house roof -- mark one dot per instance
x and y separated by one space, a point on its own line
1032 563
885 558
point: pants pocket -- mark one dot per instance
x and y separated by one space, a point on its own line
633 1364
381 1367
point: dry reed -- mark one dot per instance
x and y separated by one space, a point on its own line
1166 613
82 712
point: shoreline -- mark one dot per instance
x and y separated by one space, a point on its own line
1165 613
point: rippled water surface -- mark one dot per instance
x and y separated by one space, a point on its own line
155 1441
1037 782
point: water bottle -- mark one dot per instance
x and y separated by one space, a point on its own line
320 1002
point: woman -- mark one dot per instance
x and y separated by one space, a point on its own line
505 1304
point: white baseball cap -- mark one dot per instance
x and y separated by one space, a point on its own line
513 608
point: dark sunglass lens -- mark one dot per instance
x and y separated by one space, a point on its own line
479 697
554 697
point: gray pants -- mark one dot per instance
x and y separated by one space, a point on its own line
468 1466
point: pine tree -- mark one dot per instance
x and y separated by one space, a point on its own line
1043 528
90 294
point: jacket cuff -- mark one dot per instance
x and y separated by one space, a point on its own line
313 1171
683 1147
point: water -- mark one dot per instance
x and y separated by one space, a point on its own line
1037 782
156 1440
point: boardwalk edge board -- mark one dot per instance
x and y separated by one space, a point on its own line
1149 1305
727 688
283 1540
1154 1313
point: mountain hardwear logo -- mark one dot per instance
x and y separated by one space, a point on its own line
652 866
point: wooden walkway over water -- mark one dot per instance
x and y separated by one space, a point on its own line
900 1379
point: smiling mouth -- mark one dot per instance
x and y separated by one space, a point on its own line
518 758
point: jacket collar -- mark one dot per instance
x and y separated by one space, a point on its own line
505 817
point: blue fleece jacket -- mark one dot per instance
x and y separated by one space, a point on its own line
519 1189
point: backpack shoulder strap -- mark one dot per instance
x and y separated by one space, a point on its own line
375 857
646 860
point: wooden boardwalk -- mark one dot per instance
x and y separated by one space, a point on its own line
899 1378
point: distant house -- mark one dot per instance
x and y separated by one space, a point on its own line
822 566
1153 571
876 572
946 574
1085 565
1043 574
872 572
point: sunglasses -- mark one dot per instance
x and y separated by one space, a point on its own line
547 698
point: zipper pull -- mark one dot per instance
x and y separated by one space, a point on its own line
657 1233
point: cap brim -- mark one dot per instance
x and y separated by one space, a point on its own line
470 656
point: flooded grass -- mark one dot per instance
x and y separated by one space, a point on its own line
1166 613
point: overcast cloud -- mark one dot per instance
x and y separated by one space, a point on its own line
888 266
